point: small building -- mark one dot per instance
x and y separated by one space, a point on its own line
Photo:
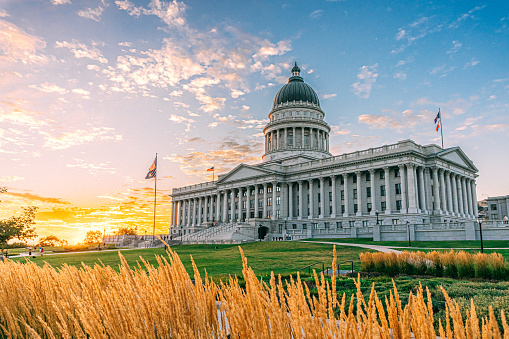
497 207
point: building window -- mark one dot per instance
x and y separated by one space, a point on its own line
342 208
244 204
278 201
330 209
494 217
269 201
319 197
368 192
351 223
382 190
342 180
383 205
269 214
252 192
330 182
278 214
364 223
368 205
330 196
493 207
355 208
339 224
354 179
398 205
236 205
269 189
395 221
319 210
251 203
304 226
327 225
355 193
397 174
260 203
368 177
260 191
382 174
244 193
290 139
278 188
398 188
238 194
342 195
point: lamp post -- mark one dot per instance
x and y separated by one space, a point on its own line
376 212
479 220
408 230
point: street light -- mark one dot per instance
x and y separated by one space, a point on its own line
408 230
376 212
479 220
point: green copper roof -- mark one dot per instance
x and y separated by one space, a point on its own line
295 90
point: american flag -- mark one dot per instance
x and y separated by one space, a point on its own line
152 171
210 169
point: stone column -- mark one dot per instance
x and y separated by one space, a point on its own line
388 197
184 213
474 198
455 194
402 174
286 137
460 196
274 184
278 143
294 138
333 180
302 131
172 212
232 205
360 203
374 206
443 191
436 191
422 196
311 144
427 190
465 199
450 205
193 215
265 200
248 202
198 222
347 195
311 200
412 191
256 188
322 198
300 200
290 200
225 206
218 205
469 198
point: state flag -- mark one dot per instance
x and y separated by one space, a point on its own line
210 169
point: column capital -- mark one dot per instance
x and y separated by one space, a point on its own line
300 182
401 166
386 168
321 179
358 173
264 184
410 165
333 177
426 169
371 171
345 175
311 180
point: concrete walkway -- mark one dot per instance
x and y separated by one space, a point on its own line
38 254
378 248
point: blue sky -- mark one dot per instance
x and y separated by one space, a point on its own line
92 89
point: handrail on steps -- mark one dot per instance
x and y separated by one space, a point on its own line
309 267
343 262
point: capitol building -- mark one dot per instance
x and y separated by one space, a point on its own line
301 190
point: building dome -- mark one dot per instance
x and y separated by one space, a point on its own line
296 90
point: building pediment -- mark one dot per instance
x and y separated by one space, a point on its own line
242 172
457 156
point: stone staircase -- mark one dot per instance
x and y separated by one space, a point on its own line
223 232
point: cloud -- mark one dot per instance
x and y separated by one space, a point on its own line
93 169
48 87
10 178
400 76
3 13
316 14
245 108
337 130
60 2
81 50
18 46
82 92
329 96
415 31
471 63
455 47
465 16
79 137
399 121
180 119
367 77
171 13
92 13
38 198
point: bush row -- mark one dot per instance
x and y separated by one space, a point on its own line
441 264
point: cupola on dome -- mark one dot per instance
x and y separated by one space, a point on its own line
296 90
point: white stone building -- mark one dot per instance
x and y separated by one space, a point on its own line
301 190
498 208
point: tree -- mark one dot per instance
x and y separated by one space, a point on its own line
51 240
93 237
125 231
19 227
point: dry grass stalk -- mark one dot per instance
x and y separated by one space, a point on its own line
163 302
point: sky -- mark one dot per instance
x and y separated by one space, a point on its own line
91 90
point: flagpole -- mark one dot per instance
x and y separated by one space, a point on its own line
213 172
155 200
441 128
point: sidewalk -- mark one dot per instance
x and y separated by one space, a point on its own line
378 248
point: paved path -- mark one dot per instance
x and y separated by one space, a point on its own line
378 248
38 254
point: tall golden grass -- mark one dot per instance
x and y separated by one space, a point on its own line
164 302
450 264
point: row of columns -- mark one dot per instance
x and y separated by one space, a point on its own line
280 138
423 190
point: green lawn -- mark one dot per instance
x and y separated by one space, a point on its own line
423 244
222 260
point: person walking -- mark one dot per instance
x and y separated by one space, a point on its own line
506 219
42 251
30 251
